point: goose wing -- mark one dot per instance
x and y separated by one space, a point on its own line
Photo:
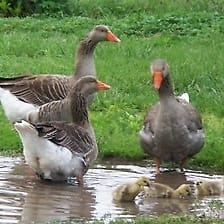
37 89
193 117
69 135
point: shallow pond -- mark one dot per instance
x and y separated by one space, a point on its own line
24 198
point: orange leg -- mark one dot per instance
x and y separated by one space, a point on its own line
80 181
158 162
183 163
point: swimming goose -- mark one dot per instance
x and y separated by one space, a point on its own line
158 190
18 95
57 150
172 129
128 191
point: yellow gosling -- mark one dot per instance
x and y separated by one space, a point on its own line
158 190
208 187
128 191
183 191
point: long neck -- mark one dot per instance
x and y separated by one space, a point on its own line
79 110
85 59
166 89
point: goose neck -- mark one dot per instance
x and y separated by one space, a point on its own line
166 89
79 110
84 59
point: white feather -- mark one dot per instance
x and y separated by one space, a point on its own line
185 96
15 109
45 157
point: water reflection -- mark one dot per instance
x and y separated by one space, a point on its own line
45 202
173 179
23 197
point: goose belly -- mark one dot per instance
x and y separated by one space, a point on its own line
173 142
50 161
47 159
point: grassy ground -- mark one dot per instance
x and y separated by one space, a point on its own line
190 38
167 219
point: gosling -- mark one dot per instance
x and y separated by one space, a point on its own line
158 190
209 187
128 191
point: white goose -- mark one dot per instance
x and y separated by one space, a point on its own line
57 150
20 95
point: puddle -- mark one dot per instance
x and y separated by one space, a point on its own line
24 198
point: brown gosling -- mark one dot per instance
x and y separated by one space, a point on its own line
128 191
158 190
208 187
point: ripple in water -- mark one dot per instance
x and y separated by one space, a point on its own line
23 197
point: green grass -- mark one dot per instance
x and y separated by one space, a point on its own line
191 40
165 219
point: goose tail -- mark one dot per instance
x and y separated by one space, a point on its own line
23 127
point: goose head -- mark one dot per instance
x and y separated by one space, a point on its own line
88 85
159 71
102 33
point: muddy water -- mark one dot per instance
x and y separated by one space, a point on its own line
24 198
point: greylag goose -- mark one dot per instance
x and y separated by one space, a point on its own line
59 110
57 150
19 95
128 191
158 190
172 129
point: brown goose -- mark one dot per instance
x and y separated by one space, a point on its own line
19 95
57 150
172 129
62 110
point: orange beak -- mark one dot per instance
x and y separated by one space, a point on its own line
102 85
112 37
157 79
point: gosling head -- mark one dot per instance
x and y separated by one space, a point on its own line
143 181
198 183
184 190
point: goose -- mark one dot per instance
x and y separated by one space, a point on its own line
62 110
57 150
19 95
209 187
128 191
158 190
172 130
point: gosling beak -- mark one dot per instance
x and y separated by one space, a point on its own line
112 37
157 79
102 85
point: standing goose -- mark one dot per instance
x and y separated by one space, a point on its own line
172 129
19 95
56 150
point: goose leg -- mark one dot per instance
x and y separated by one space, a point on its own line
80 180
158 163
183 163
